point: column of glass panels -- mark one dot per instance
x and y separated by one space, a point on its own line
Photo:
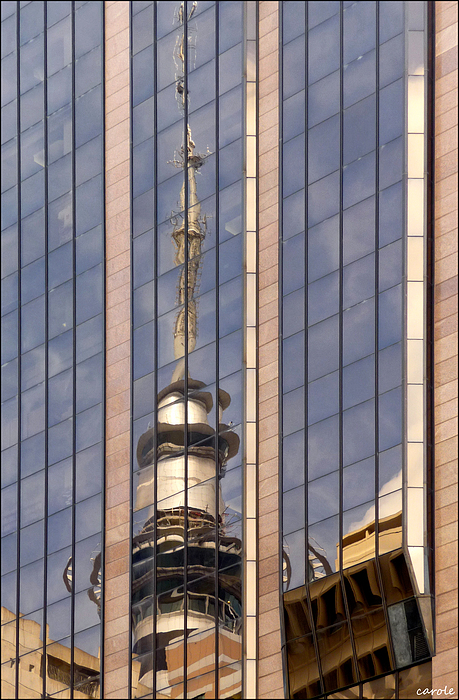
59 248
187 347
343 298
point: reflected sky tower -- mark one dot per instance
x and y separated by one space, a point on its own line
182 460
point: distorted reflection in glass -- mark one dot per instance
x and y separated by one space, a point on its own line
187 592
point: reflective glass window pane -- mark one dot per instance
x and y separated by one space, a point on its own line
31 587
293 263
323 99
60 397
8 83
33 193
32 154
9 256
391 163
359 78
88 27
292 20
323 199
88 116
142 74
89 338
9 293
390 367
8 121
32 454
293 510
10 423
294 67
32 280
391 112
323 497
57 11
89 427
59 89
293 457
59 486
358 230
390 316
60 309
358 332
33 367
88 472
390 419
33 411
33 324
32 499
359 281
359 129
359 180
358 432
323 149
390 214
359 483
9 383
89 375
60 353
31 57
359 20
324 49
391 19
323 397
88 71
89 291
293 115
293 362
293 417
359 382
59 46
31 21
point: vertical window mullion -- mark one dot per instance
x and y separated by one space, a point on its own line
341 342
217 346
18 493
73 523
315 640
45 160
155 350
186 349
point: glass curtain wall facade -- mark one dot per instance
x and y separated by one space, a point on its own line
356 578
187 349
52 347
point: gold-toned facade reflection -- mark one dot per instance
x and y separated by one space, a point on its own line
367 623
56 664
187 567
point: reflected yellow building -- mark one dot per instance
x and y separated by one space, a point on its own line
380 642
33 665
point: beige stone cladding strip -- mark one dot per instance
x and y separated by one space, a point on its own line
270 674
444 670
117 655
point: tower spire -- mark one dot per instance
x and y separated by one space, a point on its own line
193 234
